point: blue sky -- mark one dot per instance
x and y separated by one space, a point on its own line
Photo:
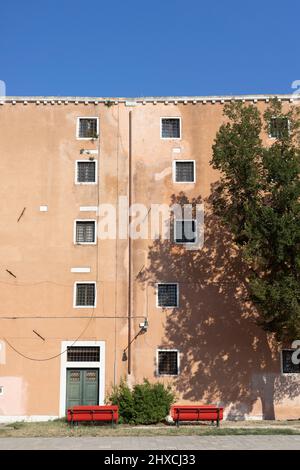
146 48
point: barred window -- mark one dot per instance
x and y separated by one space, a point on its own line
86 172
167 295
85 231
85 294
170 128
185 231
168 362
288 367
184 171
88 128
83 353
279 127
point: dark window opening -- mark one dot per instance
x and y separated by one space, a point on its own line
167 295
184 172
85 232
87 128
185 231
85 295
288 367
167 362
279 127
170 128
86 172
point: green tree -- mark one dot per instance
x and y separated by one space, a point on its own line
258 199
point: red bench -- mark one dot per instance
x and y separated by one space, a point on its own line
196 413
106 413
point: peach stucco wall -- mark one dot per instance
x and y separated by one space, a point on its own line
224 357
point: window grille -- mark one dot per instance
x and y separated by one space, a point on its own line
88 128
168 362
279 127
91 375
86 172
74 376
167 295
170 128
85 232
85 295
184 172
83 354
185 231
287 365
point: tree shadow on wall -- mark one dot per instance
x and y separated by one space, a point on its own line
225 357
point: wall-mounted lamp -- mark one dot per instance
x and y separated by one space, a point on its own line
143 328
144 325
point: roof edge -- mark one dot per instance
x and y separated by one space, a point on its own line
146 99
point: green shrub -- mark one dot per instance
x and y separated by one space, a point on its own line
122 396
146 403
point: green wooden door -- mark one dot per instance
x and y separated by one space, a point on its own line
82 387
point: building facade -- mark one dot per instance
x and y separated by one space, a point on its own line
84 304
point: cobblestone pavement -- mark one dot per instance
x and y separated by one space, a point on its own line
154 443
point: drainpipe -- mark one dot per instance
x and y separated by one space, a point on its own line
129 303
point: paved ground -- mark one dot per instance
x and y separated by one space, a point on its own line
154 443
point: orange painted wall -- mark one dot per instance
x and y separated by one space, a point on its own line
224 357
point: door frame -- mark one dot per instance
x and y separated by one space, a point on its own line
64 365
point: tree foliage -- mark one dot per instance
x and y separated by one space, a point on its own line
258 199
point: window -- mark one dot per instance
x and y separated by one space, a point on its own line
85 294
167 295
85 231
168 362
86 171
83 354
287 364
170 128
87 128
184 171
185 231
279 127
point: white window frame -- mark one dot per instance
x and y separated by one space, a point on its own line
174 171
156 293
75 294
157 362
96 171
287 374
180 128
196 232
74 232
64 365
77 127
289 128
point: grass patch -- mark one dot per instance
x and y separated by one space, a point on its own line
59 428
